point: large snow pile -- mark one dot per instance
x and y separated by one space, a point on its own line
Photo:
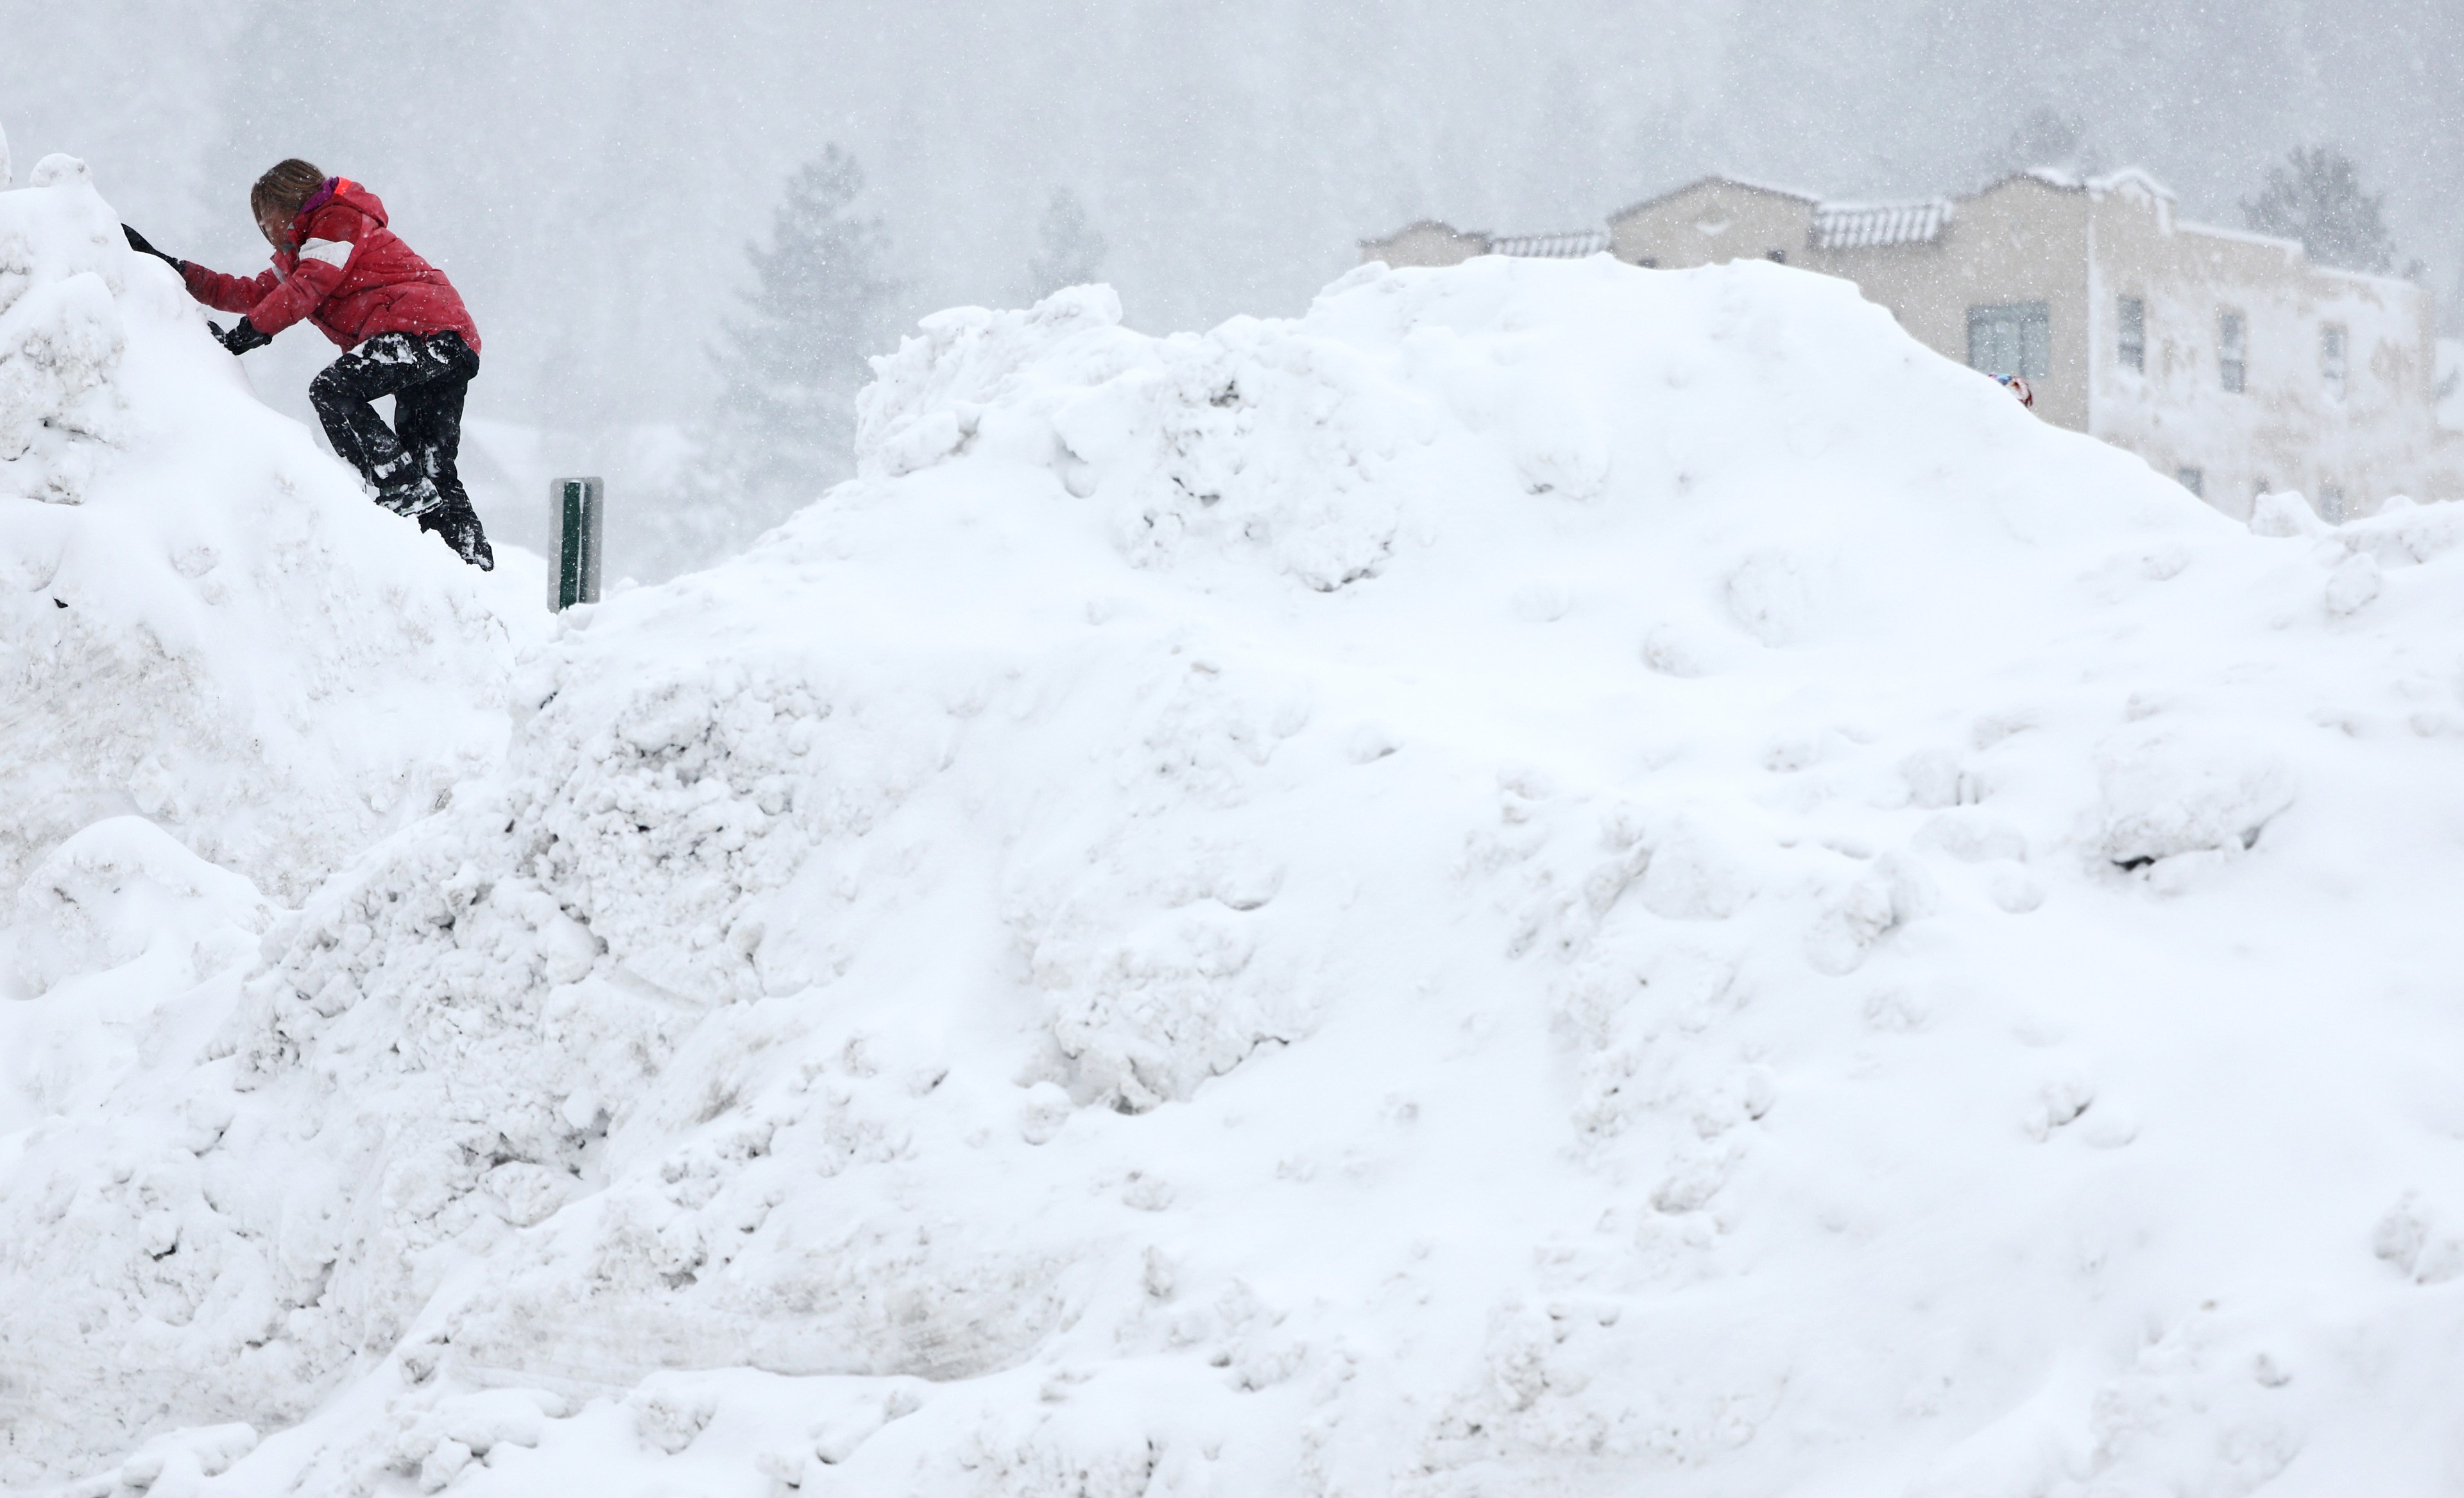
203 621
223 673
1552 878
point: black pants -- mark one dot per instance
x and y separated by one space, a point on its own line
426 375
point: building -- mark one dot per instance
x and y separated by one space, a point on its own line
1432 243
2227 360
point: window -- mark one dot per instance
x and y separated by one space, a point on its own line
2013 340
1649 262
2331 359
2331 503
2191 480
1777 256
2134 334
2231 350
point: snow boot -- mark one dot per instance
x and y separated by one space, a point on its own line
459 526
413 500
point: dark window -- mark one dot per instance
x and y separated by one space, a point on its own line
2331 359
2013 340
2134 334
1649 262
2232 339
1777 256
2192 479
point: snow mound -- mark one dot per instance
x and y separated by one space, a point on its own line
1552 878
202 618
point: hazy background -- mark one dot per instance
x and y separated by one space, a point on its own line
590 172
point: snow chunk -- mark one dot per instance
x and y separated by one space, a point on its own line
123 889
2166 794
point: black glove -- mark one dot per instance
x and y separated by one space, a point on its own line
242 337
137 242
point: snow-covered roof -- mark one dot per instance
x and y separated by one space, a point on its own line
2130 177
1720 179
2289 248
1865 226
1566 245
1771 187
1426 226
2294 250
2121 179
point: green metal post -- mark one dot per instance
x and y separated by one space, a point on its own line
574 514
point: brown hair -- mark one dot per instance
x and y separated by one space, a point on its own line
284 187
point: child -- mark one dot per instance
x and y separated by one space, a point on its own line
402 326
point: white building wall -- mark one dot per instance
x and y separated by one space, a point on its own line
1713 222
2289 428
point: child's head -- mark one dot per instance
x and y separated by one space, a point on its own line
277 197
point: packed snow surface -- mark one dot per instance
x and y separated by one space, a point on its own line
203 621
1549 879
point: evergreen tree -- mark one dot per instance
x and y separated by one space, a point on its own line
2315 195
784 429
1068 251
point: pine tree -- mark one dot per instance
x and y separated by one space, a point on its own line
1068 253
784 429
2315 195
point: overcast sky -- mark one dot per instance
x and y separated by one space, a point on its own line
589 170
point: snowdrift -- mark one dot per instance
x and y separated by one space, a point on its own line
1552 878
203 621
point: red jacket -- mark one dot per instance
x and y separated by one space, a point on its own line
343 269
